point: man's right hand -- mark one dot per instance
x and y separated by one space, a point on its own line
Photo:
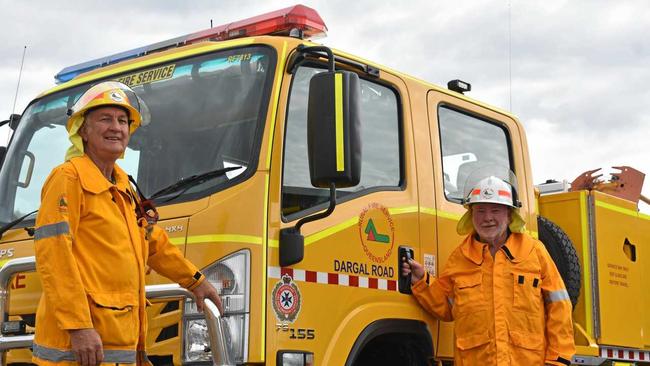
87 346
413 268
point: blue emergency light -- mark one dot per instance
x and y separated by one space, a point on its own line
285 22
70 72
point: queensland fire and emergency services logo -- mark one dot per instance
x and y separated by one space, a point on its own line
377 231
488 193
286 300
63 204
117 97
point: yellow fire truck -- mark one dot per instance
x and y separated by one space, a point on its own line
296 176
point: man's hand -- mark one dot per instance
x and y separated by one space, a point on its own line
87 346
414 268
206 291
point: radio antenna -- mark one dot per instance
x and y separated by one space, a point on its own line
13 108
20 73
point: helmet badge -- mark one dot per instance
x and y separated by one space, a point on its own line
117 97
488 193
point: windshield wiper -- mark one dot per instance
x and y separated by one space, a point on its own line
17 221
186 183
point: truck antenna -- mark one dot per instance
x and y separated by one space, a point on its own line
20 73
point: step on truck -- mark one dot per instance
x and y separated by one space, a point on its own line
296 176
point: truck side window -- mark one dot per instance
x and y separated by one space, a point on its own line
381 151
467 143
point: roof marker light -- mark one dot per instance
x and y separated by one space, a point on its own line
295 21
459 86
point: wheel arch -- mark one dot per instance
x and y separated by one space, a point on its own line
386 327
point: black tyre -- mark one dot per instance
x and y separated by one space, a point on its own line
561 249
394 350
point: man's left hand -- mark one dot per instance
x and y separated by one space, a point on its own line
206 291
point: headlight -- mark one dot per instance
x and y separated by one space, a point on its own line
231 277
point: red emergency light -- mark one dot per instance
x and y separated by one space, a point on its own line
296 21
280 22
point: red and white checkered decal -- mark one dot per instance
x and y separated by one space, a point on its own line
339 279
624 354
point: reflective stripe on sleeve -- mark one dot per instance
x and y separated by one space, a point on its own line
48 231
56 355
553 296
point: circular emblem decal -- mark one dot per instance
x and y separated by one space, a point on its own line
488 193
377 231
117 97
286 300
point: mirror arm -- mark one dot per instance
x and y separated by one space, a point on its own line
298 59
315 50
320 215
292 243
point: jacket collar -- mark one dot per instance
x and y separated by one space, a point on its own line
93 181
517 248
473 249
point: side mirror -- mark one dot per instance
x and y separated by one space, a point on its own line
3 152
13 121
333 147
334 129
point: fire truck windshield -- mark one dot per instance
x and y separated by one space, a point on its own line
207 113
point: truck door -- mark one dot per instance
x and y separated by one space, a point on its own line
464 137
348 277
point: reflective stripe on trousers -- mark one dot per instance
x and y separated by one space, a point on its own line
56 355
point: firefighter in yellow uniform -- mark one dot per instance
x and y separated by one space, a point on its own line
91 249
500 286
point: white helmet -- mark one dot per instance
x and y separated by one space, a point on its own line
491 184
492 190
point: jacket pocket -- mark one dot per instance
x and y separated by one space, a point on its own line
468 294
527 292
526 348
115 318
472 341
474 349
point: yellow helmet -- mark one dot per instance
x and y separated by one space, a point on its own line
107 93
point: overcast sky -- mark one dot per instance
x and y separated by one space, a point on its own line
580 75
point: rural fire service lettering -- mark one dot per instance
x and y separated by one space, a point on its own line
148 76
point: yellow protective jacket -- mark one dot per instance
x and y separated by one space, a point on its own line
512 309
91 256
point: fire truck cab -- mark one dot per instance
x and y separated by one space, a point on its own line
294 175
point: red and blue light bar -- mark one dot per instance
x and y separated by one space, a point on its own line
298 21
